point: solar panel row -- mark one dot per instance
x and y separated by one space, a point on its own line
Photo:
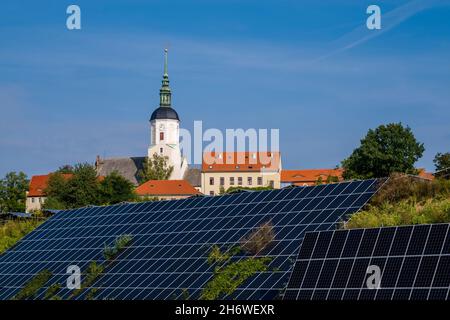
171 241
394 263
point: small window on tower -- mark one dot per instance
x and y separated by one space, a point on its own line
161 150
161 136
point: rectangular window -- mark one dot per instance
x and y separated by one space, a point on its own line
161 150
211 181
211 193
239 181
259 181
231 181
249 181
161 136
271 183
32 200
222 181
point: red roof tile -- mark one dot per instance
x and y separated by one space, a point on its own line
166 188
38 184
240 161
424 174
309 176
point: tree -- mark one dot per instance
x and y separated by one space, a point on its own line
84 188
80 190
387 149
13 188
155 168
116 189
67 168
442 164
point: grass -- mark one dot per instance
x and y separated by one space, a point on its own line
31 288
14 230
405 200
405 212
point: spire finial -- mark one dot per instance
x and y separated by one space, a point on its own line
165 60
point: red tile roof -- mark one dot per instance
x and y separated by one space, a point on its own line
310 176
424 174
240 161
38 184
166 188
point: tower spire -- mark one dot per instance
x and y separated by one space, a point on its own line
165 61
165 96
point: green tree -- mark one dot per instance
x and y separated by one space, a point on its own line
442 164
116 189
13 188
155 168
67 168
85 188
388 148
82 189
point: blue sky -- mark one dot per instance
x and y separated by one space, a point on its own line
310 68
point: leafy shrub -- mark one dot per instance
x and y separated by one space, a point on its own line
406 212
219 257
32 287
227 279
258 239
14 230
400 187
121 242
93 271
52 292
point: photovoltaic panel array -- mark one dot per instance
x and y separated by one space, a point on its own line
412 262
171 240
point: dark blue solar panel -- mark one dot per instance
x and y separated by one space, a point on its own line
171 240
413 263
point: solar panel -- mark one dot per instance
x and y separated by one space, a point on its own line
392 263
172 239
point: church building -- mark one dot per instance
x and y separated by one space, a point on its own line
164 141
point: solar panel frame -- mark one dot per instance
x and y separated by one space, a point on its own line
185 229
414 262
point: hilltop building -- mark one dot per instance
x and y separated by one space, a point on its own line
36 195
223 170
164 140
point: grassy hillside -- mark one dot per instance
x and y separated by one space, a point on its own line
405 200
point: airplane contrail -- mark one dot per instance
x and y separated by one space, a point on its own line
388 21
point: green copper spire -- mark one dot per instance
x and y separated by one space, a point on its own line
164 92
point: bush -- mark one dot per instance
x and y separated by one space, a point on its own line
406 212
229 277
32 287
93 271
400 187
52 292
121 243
14 230
258 239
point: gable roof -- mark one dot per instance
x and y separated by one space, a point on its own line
310 175
39 183
128 167
193 175
241 161
166 188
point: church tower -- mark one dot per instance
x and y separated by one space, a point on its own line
165 130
